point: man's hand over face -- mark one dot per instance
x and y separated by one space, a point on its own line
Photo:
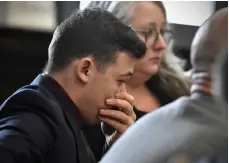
121 118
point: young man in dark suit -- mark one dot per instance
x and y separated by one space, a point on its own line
91 57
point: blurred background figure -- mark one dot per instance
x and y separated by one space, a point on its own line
26 30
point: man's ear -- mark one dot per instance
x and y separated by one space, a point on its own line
84 69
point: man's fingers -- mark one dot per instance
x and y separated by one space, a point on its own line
118 116
123 105
115 124
125 96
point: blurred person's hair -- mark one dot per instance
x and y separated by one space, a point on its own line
170 78
91 32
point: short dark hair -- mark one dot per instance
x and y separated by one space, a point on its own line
94 32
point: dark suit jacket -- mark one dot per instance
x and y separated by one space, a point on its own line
40 124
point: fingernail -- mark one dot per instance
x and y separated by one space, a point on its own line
109 101
101 110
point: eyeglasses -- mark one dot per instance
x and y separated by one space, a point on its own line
152 33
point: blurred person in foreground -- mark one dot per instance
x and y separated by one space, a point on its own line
190 129
91 57
158 77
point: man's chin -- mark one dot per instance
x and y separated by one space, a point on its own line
97 120
94 121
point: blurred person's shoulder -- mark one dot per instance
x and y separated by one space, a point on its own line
188 108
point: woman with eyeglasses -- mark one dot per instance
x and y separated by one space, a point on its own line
158 78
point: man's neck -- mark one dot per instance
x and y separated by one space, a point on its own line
65 97
67 83
75 93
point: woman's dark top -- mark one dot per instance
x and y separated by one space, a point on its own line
94 135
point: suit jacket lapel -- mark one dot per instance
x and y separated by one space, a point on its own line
70 112
83 156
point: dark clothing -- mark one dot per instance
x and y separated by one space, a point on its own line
40 124
95 139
